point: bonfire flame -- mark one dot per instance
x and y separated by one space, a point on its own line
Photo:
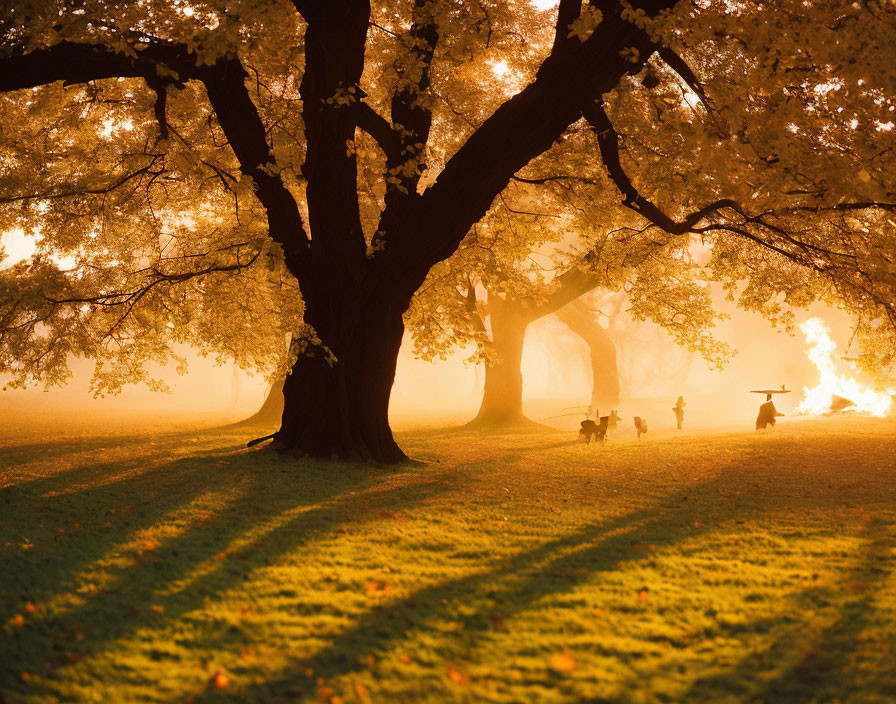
818 400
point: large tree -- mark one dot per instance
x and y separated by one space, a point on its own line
209 166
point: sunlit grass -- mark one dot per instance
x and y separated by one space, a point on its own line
517 568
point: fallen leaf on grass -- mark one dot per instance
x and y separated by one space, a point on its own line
17 621
30 608
220 680
378 587
386 513
562 663
456 676
362 693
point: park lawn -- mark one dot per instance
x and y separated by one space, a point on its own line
722 567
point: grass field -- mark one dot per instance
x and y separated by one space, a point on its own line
176 566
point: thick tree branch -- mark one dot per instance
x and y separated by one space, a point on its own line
224 81
680 66
80 63
160 88
379 128
755 228
245 131
521 129
411 117
567 12
608 143
334 61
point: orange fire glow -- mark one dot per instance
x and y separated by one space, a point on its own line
818 400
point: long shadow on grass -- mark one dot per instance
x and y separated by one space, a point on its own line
510 586
798 666
74 515
15 458
282 504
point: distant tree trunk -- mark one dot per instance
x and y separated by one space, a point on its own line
502 399
605 374
271 410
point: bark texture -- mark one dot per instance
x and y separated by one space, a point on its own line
337 396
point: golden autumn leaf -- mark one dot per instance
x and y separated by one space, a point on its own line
562 663
456 676
220 680
378 587
362 692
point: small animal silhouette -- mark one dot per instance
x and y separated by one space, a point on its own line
640 426
597 430
613 419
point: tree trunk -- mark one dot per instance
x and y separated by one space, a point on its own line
340 407
502 400
271 410
605 374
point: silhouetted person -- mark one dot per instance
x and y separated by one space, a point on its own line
678 410
767 415
640 426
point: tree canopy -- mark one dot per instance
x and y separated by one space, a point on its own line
226 173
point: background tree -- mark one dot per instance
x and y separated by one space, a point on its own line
605 388
206 169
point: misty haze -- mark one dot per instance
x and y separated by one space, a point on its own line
413 351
